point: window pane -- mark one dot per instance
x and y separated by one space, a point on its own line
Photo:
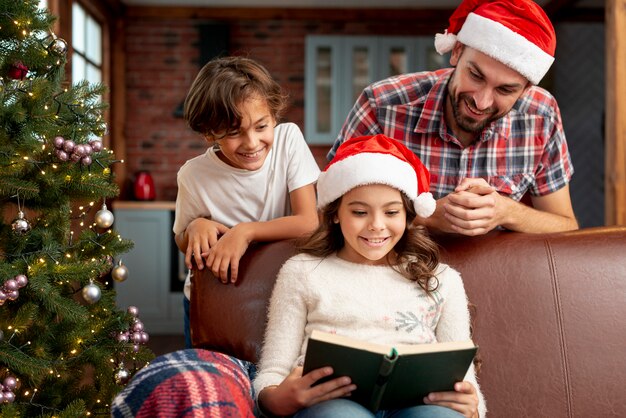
434 61
94 75
78 68
361 70
78 28
43 4
398 61
94 41
323 87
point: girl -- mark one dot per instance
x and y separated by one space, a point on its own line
364 273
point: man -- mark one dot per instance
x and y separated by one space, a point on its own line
485 130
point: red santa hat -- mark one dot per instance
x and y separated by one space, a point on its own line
515 32
376 160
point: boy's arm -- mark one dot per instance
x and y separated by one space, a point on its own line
303 220
233 244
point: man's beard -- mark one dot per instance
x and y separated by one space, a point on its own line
466 123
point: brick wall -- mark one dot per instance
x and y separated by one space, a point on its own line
163 59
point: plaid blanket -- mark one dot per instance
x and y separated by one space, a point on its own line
188 383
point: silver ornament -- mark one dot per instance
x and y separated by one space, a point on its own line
104 217
58 46
119 272
122 375
92 293
101 129
20 226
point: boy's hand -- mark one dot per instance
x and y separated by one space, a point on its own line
227 252
297 392
202 235
464 399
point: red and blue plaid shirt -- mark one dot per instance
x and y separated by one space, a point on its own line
524 151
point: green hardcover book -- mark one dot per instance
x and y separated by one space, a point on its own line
389 377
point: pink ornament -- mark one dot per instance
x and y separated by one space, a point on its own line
144 337
133 310
137 337
9 382
96 144
9 396
68 145
21 280
88 149
13 294
62 155
138 325
58 142
10 285
79 150
86 160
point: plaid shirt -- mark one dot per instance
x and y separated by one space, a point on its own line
523 151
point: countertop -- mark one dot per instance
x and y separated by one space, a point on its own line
144 205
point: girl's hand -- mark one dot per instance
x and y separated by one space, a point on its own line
463 400
296 391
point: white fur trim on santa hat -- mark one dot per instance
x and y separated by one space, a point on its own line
501 43
372 168
365 168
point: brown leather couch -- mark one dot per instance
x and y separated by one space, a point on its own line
549 316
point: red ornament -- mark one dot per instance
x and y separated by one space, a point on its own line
18 71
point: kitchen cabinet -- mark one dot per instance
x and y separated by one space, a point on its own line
155 277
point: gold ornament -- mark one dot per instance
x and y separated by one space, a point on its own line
119 272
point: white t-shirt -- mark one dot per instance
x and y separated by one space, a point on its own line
208 187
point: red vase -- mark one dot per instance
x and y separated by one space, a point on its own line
144 186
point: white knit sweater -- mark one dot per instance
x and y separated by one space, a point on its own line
372 303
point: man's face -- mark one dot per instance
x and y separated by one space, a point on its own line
481 90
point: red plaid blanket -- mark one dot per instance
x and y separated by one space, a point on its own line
188 383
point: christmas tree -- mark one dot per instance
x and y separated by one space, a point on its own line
65 348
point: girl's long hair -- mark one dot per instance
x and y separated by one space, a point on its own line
417 254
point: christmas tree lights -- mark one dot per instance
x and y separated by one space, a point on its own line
65 349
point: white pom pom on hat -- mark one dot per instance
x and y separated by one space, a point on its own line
518 33
376 159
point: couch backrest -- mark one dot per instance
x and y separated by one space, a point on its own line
549 316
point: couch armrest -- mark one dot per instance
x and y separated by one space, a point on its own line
231 318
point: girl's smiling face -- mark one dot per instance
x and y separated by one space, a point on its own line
247 147
372 220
